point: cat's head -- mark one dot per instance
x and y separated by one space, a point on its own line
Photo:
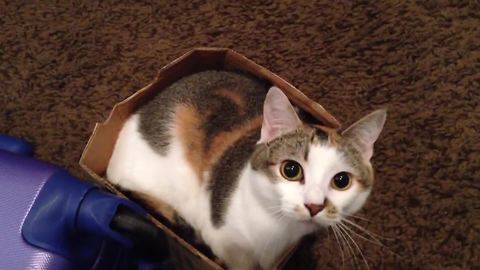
311 175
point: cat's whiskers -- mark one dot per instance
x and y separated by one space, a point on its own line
279 216
347 245
373 241
341 226
338 243
273 207
360 217
371 234
274 210
284 211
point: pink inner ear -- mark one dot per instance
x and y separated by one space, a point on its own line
279 116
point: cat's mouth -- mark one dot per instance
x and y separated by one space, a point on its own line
320 221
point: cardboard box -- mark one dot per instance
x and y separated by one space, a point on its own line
98 151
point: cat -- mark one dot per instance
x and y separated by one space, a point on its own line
232 156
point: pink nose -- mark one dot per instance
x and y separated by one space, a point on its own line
314 208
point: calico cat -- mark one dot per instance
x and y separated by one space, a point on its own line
232 157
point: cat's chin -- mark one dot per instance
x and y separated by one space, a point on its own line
316 222
322 223
312 224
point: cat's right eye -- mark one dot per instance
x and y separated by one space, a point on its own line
291 170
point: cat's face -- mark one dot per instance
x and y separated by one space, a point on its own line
312 176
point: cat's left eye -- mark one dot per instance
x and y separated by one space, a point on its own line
341 181
291 170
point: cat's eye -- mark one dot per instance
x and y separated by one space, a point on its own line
291 170
341 181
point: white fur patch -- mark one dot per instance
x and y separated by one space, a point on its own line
134 165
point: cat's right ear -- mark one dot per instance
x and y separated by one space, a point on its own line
365 132
279 116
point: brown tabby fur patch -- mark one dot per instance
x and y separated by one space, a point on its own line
187 122
235 97
222 141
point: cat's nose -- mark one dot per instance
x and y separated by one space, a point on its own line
314 208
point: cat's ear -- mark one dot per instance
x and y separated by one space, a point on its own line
365 132
279 116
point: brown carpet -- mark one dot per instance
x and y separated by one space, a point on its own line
63 66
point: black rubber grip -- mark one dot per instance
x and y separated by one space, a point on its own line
148 240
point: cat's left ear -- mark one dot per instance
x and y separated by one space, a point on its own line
365 132
279 116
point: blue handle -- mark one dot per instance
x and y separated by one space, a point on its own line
72 218
97 212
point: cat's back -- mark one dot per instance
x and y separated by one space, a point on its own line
207 112
200 129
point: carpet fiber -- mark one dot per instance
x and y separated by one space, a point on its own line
63 66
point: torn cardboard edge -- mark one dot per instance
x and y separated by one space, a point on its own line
97 153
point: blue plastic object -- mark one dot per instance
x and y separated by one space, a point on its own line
50 223
15 145
52 220
71 218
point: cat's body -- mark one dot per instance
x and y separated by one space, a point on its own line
206 147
